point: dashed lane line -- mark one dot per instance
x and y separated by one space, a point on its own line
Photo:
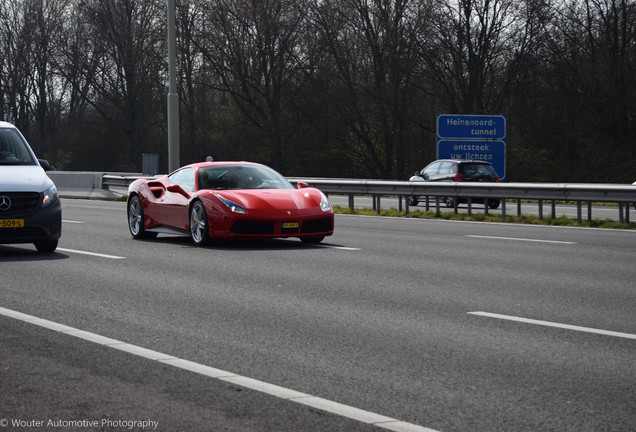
521 239
327 246
100 255
557 325
326 405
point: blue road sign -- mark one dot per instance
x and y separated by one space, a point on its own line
487 151
473 136
471 126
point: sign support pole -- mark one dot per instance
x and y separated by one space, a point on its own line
173 97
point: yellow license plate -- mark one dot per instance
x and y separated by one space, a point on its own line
290 224
11 223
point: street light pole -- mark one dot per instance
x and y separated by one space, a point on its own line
173 97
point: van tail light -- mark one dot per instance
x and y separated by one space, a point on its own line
496 178
458 177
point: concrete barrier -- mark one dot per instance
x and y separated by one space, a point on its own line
86 185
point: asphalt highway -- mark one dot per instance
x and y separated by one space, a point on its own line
390 324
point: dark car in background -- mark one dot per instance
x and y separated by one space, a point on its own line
456 170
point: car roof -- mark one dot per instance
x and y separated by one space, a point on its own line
463 161
198 165
4 124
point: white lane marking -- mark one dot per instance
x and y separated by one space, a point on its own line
326 246
250 383
90 253
521 239
322 245
557 325
72 221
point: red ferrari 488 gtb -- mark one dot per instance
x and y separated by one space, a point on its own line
218 200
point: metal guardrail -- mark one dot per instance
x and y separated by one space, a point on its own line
580 193
577 192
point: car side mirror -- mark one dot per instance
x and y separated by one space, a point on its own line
46 166
175 188
302 185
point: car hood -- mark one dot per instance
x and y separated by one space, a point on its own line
274 199
23 178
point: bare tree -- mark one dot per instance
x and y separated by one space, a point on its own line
331 87
15 64
45 18
373 47
114 59
476 44
201 127
577 113
255 50
609 81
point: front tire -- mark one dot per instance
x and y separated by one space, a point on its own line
46 246
136 219
493 203
412 200
199 228
450 202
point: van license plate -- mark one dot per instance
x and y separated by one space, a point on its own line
11 223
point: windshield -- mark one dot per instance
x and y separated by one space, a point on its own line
13 149
223 177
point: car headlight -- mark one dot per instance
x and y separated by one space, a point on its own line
325 205
236 208
49 196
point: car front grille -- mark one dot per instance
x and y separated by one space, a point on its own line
247 227
18 203
315 226
252 228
